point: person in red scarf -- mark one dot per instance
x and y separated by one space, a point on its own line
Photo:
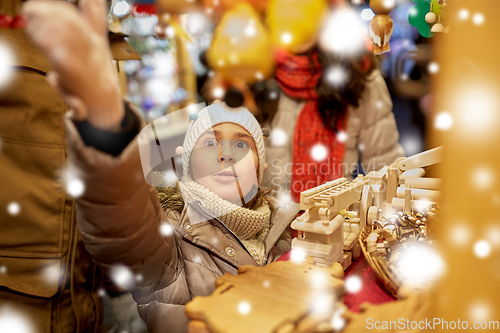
332 109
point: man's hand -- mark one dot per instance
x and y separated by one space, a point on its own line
74 39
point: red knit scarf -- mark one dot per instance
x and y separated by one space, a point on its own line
318 151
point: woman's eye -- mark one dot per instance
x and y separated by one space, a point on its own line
241 144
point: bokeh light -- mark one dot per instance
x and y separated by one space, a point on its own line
75 187
482 178
433 67
459 235
6 62
478 19
13 208
336 75
482 249
341 136
463 14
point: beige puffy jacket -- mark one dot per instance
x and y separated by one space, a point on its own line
371 132
119 216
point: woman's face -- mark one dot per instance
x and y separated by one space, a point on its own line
225 161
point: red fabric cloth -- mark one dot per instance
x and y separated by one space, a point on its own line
318 151
370 291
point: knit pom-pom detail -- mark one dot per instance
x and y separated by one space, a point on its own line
179 150
193 116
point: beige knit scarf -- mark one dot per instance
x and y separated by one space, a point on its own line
250 226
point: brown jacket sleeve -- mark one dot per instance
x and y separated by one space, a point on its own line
119 215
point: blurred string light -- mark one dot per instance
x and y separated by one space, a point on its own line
367 14
13 208
196 24
344 33
459 235
419 264
319 152
6 62
463 14
479 311
14 321
482 178
412 144
121 8
478 19
482 249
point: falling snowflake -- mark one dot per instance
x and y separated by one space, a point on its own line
218 92
353 284
341 136
433 67
3 269
322 304
286 38
101 292
443 121
166 229
319 152
420 264
52 273
122 276
13 208
75 187
298 255
336 75
266 284
244 307
278 137
170 177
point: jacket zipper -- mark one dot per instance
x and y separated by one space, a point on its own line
232 233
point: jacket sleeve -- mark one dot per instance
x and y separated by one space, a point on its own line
378 135
119 216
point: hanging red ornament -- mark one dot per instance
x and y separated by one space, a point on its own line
19 22
5 21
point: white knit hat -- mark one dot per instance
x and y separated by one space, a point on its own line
219 113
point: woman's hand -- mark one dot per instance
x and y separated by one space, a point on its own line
74 39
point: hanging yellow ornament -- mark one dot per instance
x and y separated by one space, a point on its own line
295 24
241 46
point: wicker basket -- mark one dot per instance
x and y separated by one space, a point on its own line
384 276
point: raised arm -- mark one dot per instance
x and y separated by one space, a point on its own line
118 212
